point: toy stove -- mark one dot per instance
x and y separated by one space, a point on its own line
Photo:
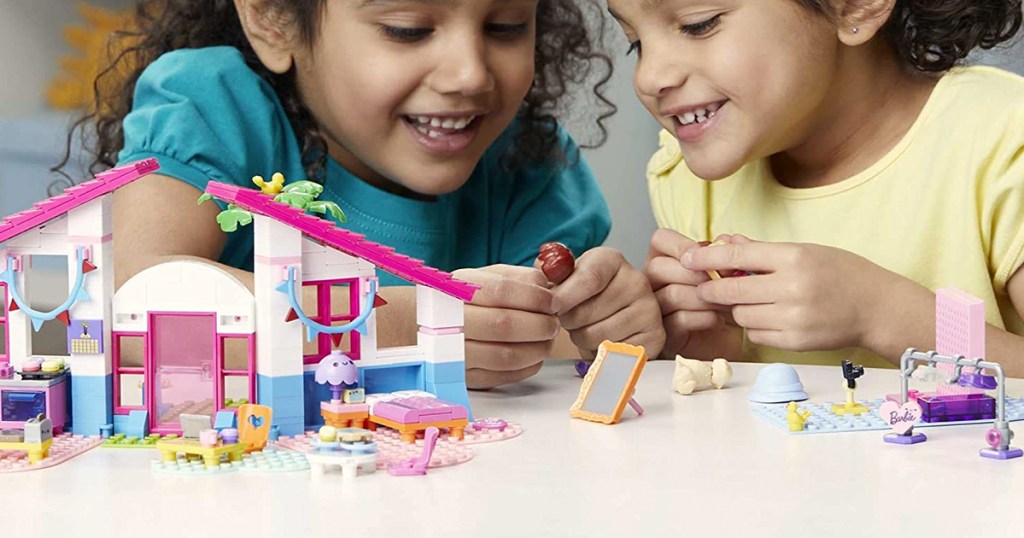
24 396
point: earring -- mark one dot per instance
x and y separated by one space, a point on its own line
855 29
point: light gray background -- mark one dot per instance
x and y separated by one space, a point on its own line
31 44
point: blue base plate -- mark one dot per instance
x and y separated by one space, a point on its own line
824 421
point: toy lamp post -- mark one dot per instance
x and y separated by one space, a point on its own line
338 371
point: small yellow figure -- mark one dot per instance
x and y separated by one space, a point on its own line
796 418
273 187
850 374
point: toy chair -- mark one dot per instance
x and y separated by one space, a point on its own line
254 426
419 464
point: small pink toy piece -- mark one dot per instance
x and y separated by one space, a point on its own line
417 465
490 424
208 437
636 406
900 418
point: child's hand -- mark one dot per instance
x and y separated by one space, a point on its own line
510 325
804 297
605 298
685 315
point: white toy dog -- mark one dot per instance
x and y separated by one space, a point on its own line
694 375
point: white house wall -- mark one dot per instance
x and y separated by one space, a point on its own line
185 286
87 226
90 226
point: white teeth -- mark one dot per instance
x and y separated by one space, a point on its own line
700 115
431 125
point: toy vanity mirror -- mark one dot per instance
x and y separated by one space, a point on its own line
609 383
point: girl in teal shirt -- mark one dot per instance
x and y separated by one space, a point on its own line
430 123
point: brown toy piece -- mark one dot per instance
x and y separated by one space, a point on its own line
557 262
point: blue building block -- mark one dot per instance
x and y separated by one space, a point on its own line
91 403
285 395
392 377
225 419
445 372
315 393
135 424
452 392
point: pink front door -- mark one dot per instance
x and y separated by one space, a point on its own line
180 368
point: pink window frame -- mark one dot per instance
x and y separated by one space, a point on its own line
221 373
5 353
324 312
118 370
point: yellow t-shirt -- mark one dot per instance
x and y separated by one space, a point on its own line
945 207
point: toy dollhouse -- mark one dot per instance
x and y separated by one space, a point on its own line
188 338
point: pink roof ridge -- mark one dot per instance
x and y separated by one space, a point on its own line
73 197
351 243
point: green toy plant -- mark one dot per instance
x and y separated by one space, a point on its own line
300 194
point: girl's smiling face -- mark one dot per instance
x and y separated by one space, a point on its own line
734 80
410 93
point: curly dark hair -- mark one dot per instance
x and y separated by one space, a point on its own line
566 54
935 35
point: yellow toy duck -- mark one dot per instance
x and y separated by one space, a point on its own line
273 187
796 418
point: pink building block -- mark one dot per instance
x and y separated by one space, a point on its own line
959 330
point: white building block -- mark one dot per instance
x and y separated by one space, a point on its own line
396 355
272 239
56 227
442 348
89 365
278 344
99 284
29 241
437 310
309 246
184 286
368 341
93 219
271 361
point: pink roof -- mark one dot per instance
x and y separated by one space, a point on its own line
42 212
351 243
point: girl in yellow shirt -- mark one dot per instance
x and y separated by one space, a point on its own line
841 155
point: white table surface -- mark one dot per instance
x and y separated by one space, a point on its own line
698 465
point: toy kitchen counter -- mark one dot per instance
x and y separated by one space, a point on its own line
25 396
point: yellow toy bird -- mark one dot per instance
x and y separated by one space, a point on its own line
273 187
795 418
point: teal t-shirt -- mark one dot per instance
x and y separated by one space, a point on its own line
205 115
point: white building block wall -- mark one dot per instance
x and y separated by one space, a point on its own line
437 310
185 286
278 344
